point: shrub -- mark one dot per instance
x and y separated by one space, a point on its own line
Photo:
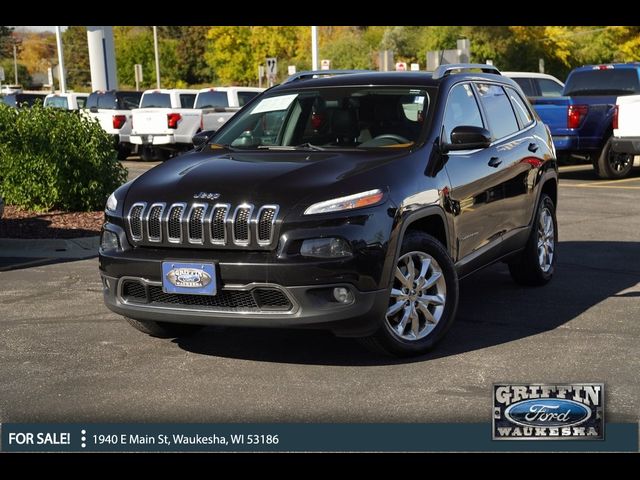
52 158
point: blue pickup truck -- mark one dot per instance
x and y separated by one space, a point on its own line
583 119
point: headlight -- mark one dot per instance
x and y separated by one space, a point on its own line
325 248
350 202
112 203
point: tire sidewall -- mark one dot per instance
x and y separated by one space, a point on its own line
604 169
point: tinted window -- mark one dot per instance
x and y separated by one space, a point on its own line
187 99
128 100
245 97
57 102
107 101
155 100
527 86
522 112
92 101
462 109
213 99
549 88
500 116
614 81
9 100
81 101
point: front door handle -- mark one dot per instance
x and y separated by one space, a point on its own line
533 147
494 162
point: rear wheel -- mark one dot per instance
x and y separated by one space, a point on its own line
537 262
610 164
423 299
163 329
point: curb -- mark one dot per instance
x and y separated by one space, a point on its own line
78 248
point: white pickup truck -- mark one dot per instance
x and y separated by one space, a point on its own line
66 101
112 109
218 105
626 133
165 122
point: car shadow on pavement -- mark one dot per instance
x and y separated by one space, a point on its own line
589 174
493 310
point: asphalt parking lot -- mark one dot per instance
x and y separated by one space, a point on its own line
65 357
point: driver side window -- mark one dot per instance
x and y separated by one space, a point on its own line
462 109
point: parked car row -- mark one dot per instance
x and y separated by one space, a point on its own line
156 123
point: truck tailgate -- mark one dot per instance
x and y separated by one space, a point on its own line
552 111
151 121
628 115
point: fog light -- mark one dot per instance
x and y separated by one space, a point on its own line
342 295
109 241
325 248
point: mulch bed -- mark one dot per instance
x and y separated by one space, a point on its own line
17 223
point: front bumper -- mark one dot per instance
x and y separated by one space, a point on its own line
311 306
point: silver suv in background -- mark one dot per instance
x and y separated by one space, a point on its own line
537 84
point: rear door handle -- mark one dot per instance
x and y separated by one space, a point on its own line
533 147
494 162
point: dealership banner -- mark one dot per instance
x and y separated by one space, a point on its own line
261 437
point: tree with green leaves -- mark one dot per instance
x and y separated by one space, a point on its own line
76 53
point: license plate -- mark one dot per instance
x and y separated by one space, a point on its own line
191 278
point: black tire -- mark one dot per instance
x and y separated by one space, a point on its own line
526 269
385 340
612 165
146 153
123 152
163 329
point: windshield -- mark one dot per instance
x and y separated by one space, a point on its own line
330 118
612 81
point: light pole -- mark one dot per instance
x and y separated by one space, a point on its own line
15 63
155 47
314 48
61 72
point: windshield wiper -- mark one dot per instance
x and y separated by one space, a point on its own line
302 146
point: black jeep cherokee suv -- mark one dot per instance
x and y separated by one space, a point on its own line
353 203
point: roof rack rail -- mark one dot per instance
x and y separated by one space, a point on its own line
321 73
444 70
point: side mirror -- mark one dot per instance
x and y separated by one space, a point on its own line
93 109
466 137
201 138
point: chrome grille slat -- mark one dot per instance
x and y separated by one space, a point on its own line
218 224
200 224
241 226
195 223
154 223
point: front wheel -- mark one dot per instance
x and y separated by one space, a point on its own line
610 164
422 302
163 329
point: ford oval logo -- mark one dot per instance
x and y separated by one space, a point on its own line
189 277
548 412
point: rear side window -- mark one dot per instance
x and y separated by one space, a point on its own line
10 100
549 88
187 100
213 99
527 86
155 100
502 120
128 100
522 112
246 97
462 109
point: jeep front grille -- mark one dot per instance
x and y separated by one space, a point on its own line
202 225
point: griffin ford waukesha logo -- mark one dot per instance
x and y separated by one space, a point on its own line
548 412
206 196
189 277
